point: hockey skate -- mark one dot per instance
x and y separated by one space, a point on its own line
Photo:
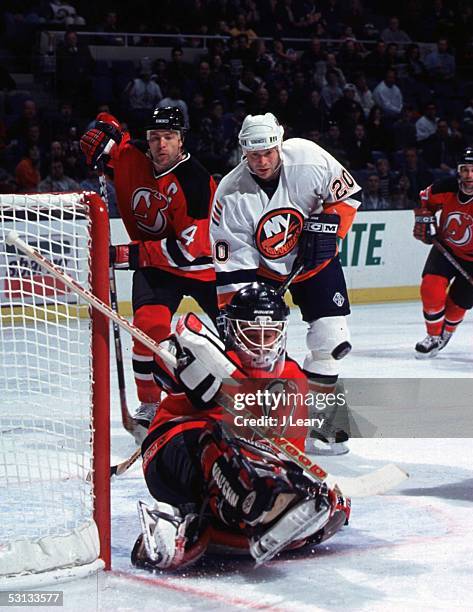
304 519
143 417
317 444
429 347
444 339
168 540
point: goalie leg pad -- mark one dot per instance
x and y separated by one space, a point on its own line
328 340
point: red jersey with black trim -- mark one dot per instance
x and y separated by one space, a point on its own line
167 212
456 216
177 405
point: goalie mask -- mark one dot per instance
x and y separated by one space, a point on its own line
256 328
465 171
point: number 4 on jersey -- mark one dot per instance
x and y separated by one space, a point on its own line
188 234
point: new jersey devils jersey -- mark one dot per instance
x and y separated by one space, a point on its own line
456 216
253 233
169 211
176 406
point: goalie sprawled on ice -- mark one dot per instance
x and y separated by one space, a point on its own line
214 489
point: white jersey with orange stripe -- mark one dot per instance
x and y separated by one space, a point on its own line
251 231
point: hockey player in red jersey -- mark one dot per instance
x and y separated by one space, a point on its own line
214 488
446 294
164 197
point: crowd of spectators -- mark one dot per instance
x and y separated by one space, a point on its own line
352 78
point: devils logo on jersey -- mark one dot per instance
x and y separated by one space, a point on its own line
458 229
278 231
148 206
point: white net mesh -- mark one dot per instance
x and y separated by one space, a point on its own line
45 372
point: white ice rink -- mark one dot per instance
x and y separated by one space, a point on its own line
409 549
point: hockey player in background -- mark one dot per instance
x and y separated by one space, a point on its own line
446 294
214 488
284 206
164 197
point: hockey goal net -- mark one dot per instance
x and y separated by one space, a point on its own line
54 391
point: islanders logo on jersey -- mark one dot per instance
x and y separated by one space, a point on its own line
278 231
148 206
458 229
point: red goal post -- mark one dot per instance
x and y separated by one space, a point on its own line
54 391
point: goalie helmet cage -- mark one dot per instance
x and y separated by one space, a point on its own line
54 392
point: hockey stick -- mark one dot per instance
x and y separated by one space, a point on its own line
451 259
121 468
369 484
129 423
294 272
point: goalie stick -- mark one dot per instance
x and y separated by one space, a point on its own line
372 483
128 422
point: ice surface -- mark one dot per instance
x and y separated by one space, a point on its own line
409 549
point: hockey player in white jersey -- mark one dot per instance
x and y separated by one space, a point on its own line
284 207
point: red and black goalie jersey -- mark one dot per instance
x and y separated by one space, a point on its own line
169 212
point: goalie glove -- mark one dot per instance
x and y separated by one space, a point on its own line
99 141
425 226
318 241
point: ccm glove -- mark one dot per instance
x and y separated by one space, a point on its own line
425 227
99 141
125 256
199 385
318 241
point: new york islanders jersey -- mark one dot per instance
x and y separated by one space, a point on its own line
169 212
456 215
252 233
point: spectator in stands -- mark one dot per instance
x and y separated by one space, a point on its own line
220 74
387 178
110 25
393 33
358 149
332 141
7 182
342 109
467 120
232 122
332 15
312 115
141 96
426 125
65 119
261 103
404 129
64 14
92 183
440 63
442 150
332 91
400 199
332 64
178 71
414 66
174 98
197 111
379 136
212 148
204 84
375 62
416 171
57 181
311 56
27 172
74 66
248 85
261 61
363 94
388 96
371 198
280 55
282 107
29 116
349 58
241 27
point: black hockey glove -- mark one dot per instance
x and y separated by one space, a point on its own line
425 227
318 241
199 385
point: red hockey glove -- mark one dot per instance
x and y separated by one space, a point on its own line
425 227
99 141
318 240
125 256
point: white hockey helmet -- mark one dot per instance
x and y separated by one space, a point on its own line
259 132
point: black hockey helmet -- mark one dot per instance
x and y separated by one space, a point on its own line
465 184
256 325
167 118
